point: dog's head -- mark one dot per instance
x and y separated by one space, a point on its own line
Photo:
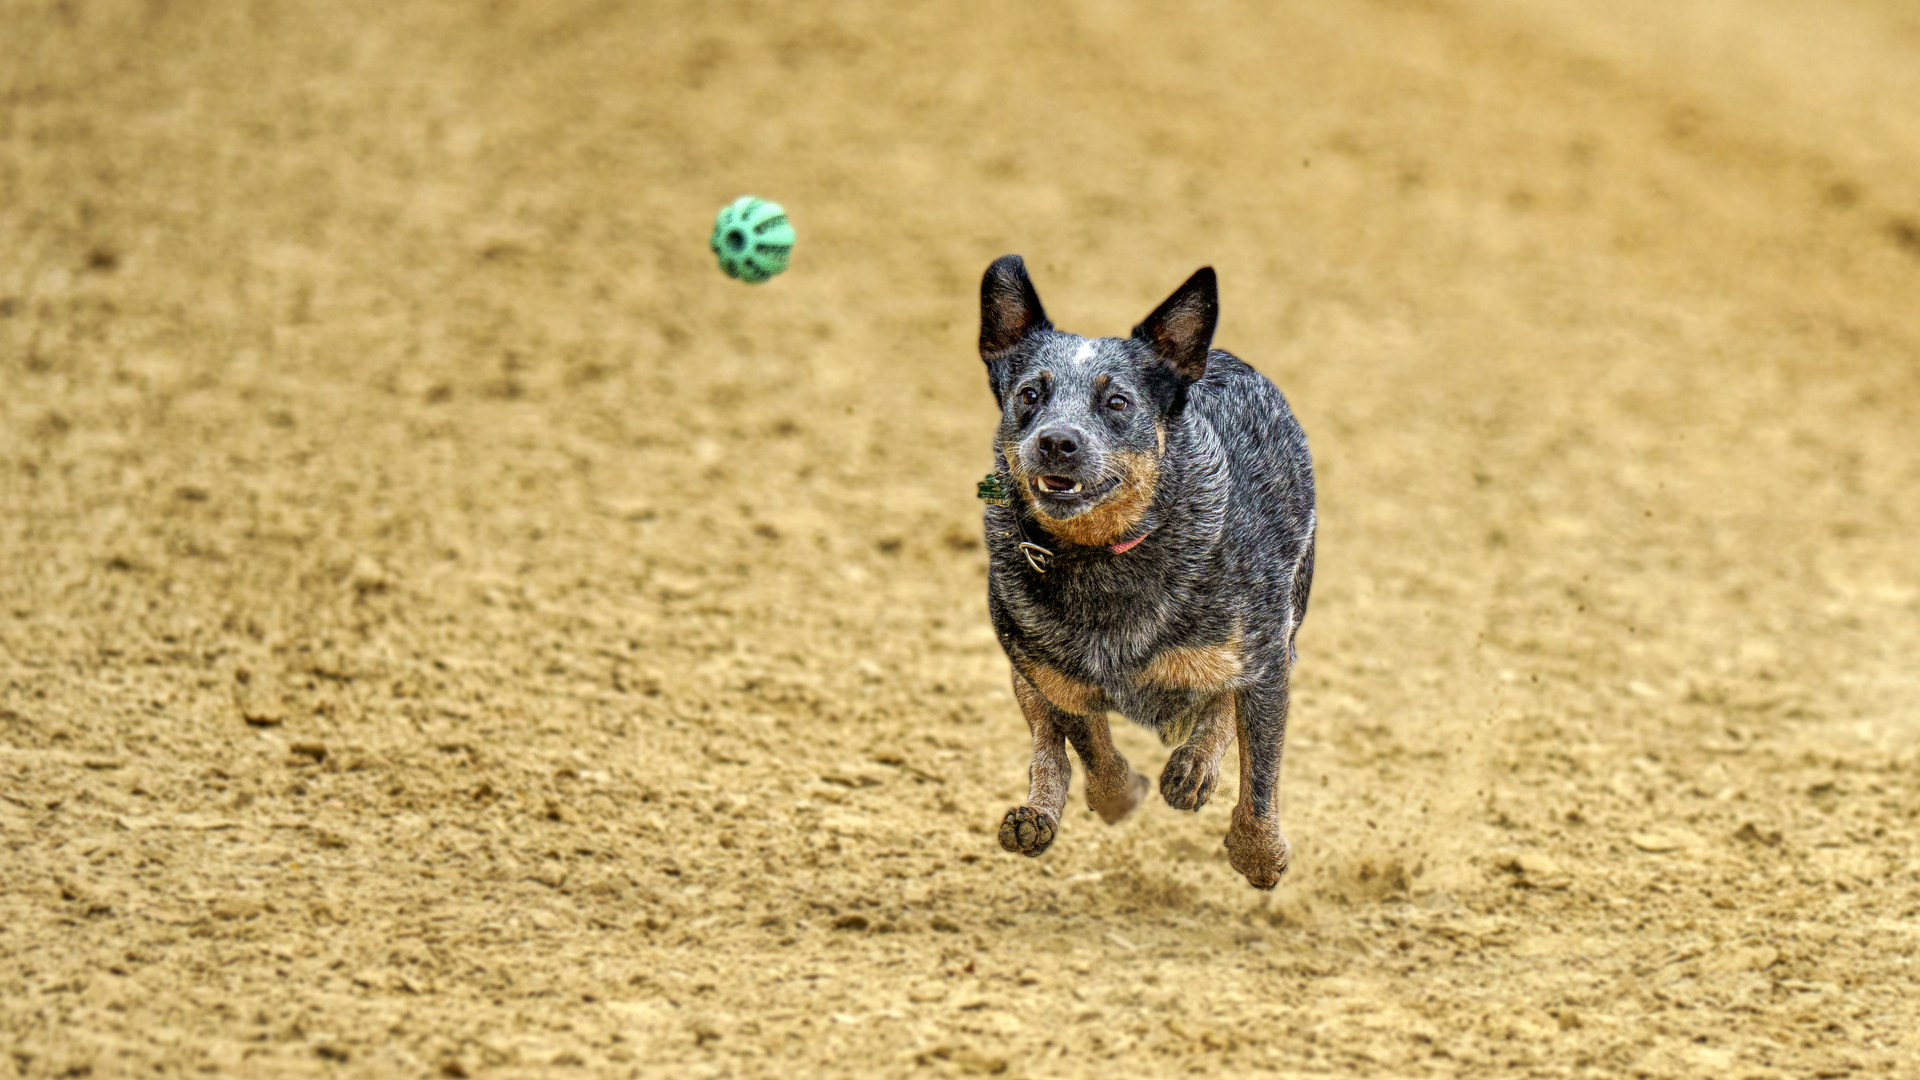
1083 421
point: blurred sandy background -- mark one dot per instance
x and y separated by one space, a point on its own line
447 629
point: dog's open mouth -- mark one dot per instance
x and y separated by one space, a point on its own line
1057 485
1061 488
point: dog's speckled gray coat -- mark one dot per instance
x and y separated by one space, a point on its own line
1192 628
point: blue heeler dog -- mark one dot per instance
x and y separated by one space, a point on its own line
1152 557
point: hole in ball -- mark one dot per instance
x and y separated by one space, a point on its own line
736 240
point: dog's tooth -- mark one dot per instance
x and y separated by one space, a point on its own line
1075 488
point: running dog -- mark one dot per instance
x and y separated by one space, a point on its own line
1150 535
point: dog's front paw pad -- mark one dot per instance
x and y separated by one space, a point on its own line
1115 801
1026 830
1258 849
1188 780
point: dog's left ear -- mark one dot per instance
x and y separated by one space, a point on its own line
1181 328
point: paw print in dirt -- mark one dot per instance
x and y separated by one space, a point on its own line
1027 831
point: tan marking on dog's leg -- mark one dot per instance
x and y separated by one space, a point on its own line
1195 667
1194 767
1031 828
1067 693
1255 845
1113 788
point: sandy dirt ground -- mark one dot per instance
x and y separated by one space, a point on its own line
448 629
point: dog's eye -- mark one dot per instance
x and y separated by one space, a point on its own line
1117 403
1029 395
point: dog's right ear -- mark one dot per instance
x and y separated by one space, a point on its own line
1009 311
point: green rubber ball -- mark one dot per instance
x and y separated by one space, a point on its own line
752 239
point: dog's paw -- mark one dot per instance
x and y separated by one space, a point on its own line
1257 849
1027 831
1115 800
1189 778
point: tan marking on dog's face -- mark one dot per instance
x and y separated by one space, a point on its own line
1116 517
1195 667
1022 478
1067 694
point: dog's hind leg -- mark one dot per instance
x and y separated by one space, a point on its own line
1255 845
1194 766
1030 829
1113 788
1302 587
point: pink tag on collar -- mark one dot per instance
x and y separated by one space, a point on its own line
1125 546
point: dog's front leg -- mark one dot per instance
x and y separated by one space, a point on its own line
1030 829
1255 844
1194 766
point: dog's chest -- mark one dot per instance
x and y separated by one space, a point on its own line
1142 669
1172 678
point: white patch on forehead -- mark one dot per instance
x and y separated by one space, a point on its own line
1085 353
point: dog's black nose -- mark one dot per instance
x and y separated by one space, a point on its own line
1058 445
